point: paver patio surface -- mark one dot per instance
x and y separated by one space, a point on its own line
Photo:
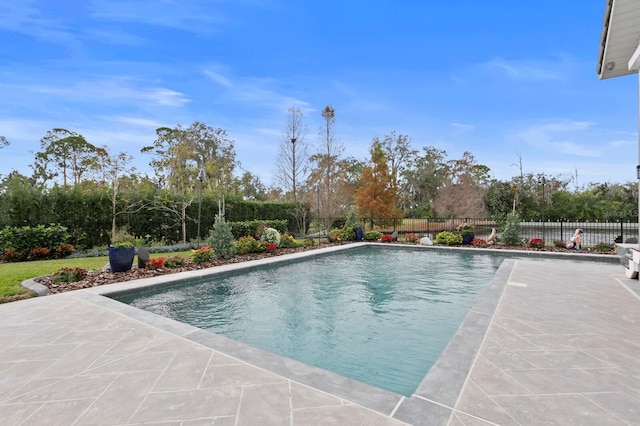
556 342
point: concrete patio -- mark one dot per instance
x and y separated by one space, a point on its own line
550 341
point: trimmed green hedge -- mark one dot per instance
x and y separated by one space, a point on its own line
250 228
86 213
23 240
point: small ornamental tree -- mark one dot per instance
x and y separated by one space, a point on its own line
221 238
511 231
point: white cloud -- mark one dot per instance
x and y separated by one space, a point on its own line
524 70
218 78
115 36
463 126
118 89
199 16
136 121
561 136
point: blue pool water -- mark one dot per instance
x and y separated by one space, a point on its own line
378 315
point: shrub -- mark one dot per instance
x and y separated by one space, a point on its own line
271 247
202 255
271 235
372 235
155 263
287 240
174 261
511 230
411 238
122 239
386 238
11 255
246 245
605 247
39 253
64 250
27 238
559 244
537 243
478 242
69 275
335 232
348 233
448 238
254 228
351 220
308 242
466 229
221 238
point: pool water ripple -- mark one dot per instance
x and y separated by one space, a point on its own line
378 315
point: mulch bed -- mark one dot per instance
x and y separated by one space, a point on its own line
97 278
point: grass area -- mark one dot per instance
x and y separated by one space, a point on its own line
12 274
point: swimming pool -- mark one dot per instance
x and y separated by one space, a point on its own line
380 315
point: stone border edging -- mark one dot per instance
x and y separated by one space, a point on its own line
37 288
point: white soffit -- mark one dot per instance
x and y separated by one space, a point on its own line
620 39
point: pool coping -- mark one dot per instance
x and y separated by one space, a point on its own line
431 403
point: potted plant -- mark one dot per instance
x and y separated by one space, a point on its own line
122 251
467 234
359 231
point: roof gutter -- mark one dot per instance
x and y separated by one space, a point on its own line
603 36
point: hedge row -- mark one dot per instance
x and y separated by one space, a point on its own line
34 242
86 213
250 228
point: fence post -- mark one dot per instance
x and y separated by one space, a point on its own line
622 230
561 233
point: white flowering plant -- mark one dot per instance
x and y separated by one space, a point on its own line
271 235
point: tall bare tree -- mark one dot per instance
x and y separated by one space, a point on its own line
462 194
114 169
292 164
330 173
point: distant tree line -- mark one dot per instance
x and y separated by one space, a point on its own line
92 191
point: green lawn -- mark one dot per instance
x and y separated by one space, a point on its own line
12 274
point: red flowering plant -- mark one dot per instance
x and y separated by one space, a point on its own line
386 238
536 243
271 248
411 238
479 242
155 263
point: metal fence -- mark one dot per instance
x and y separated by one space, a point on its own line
594 232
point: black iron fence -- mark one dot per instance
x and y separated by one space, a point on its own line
593 232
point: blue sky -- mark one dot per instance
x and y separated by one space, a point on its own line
503 80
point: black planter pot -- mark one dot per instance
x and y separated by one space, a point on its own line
121 259
359 234
467 238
